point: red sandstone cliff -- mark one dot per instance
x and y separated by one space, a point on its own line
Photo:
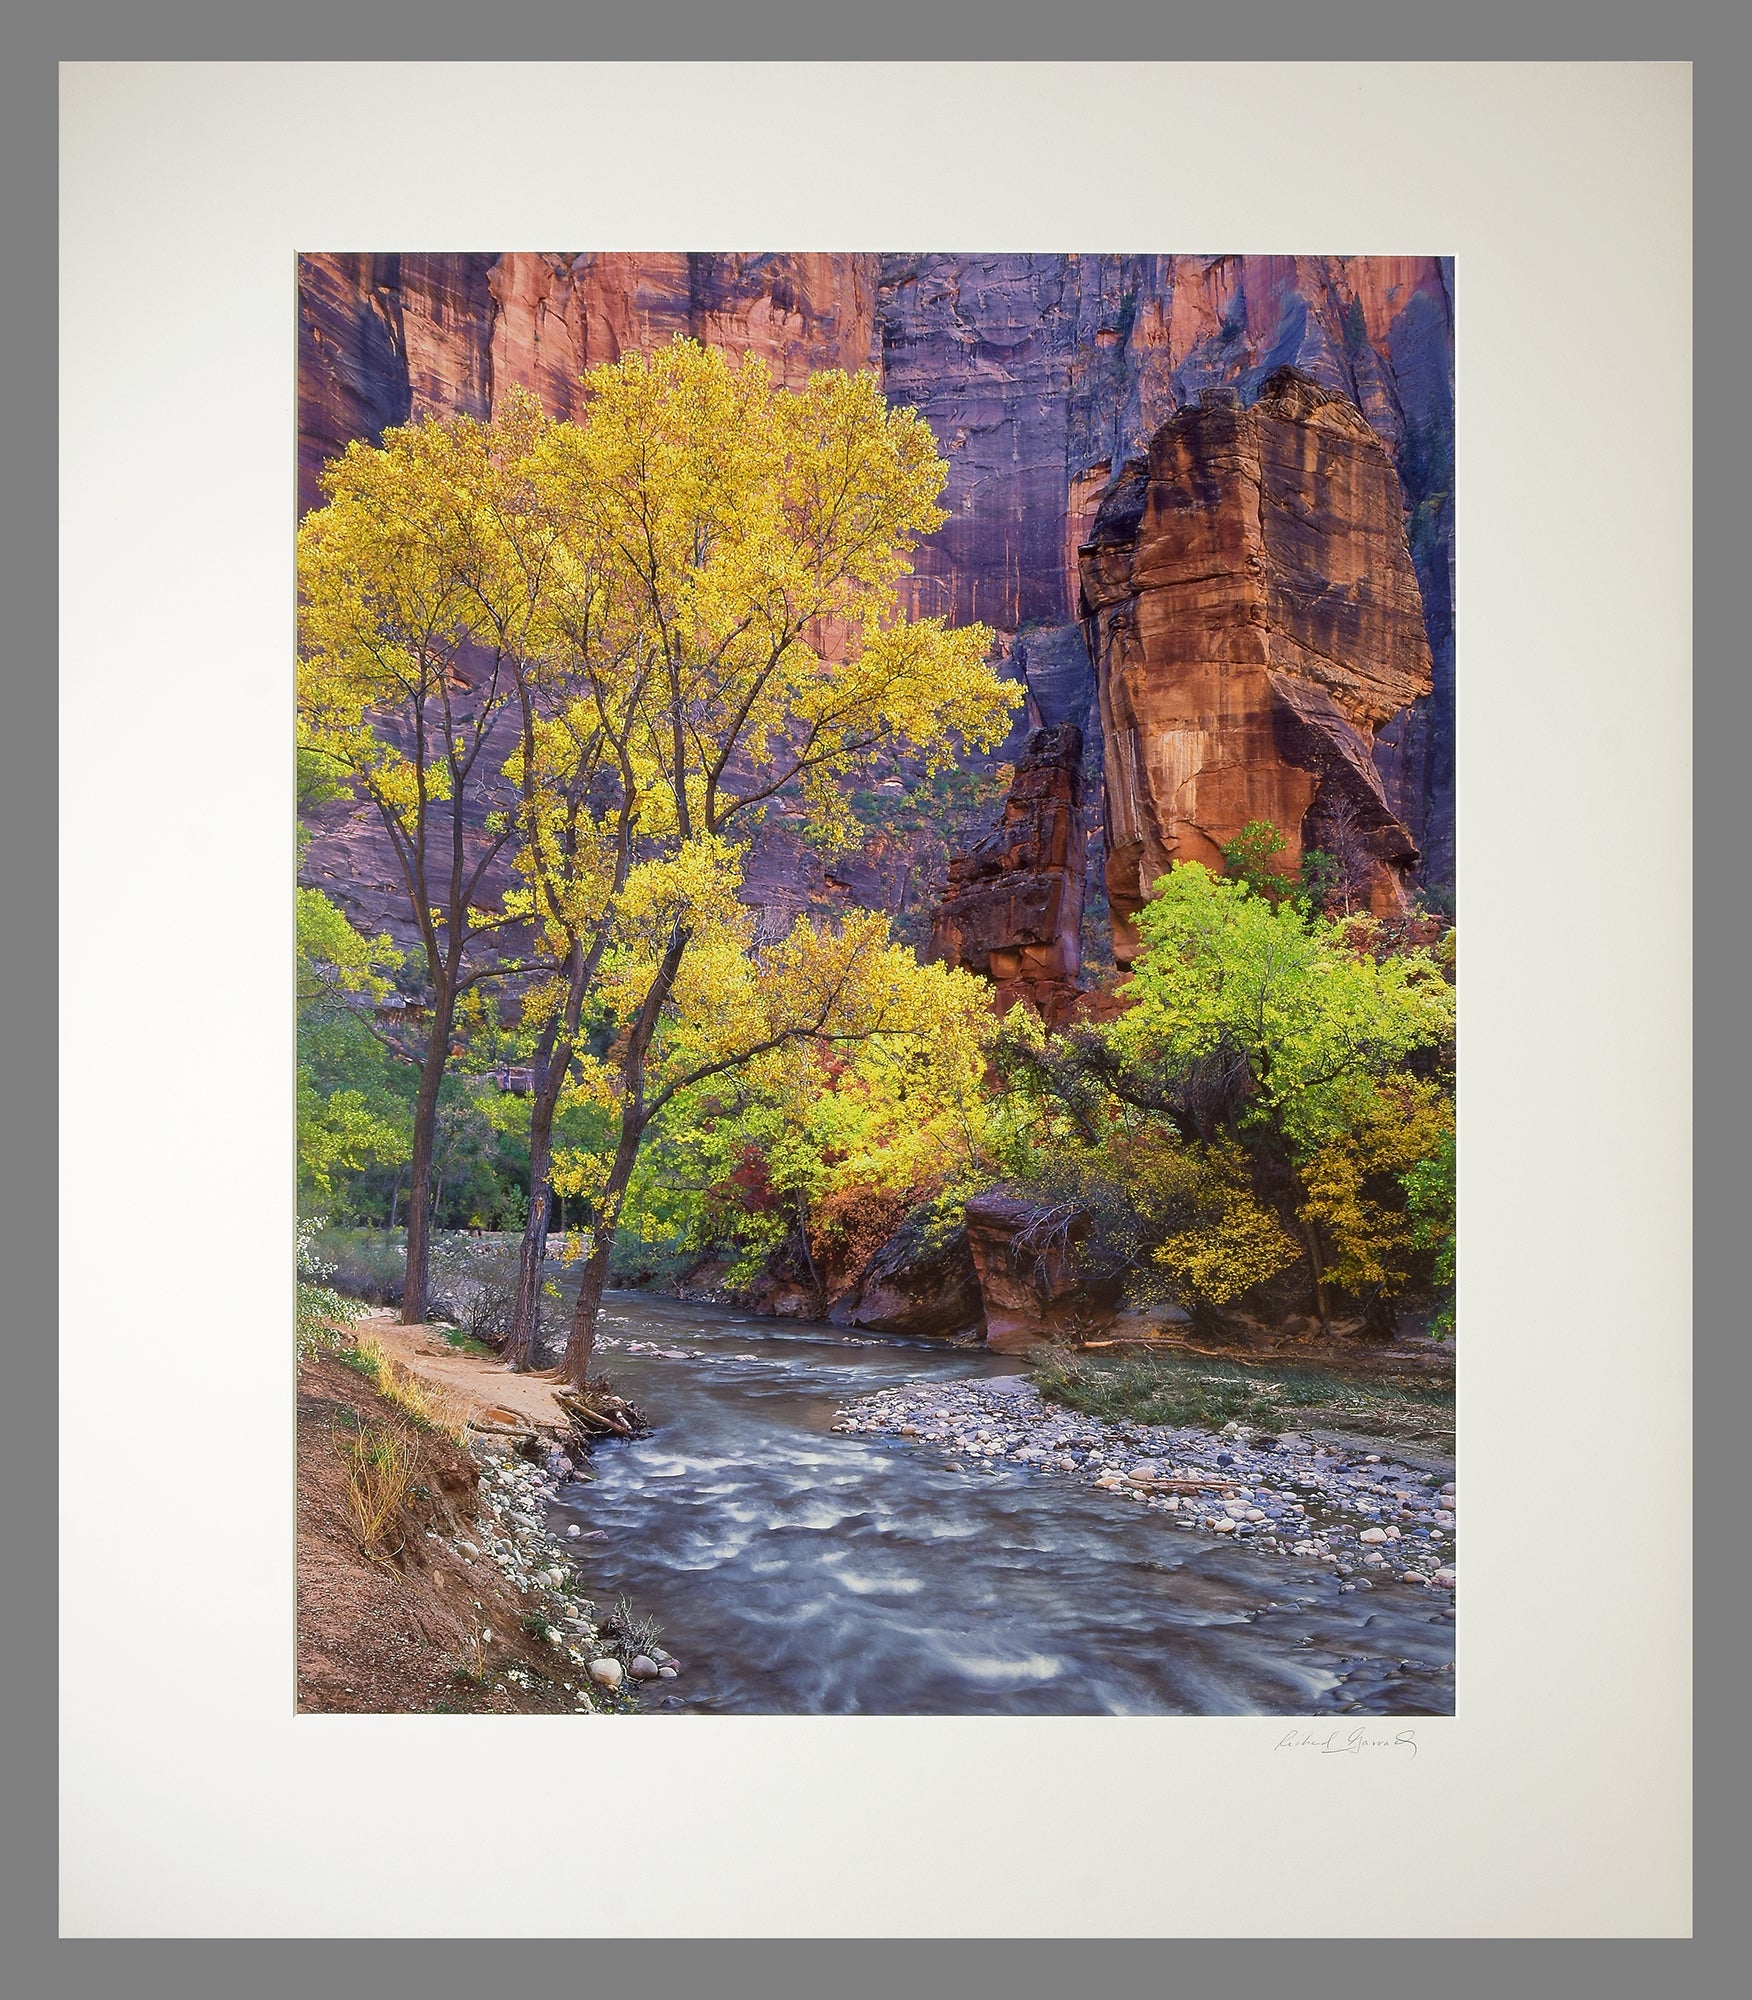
1256 619
383 339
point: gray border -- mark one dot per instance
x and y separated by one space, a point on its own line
196 1967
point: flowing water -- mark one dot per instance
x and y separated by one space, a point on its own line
795 1571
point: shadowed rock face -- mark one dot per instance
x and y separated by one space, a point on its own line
916 1285
1014 908
1256 619
1025 1254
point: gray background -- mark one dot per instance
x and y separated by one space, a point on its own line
26 134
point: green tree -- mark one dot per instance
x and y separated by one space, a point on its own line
821 1146
1430 1201
1311 1034
1251 856
347 1120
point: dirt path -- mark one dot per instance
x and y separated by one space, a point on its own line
472 1385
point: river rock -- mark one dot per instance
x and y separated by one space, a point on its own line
1373 1535
666 1673
606 1673
645 1668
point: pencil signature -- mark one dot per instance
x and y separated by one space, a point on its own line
1347 1742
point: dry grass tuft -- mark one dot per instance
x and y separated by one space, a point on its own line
381 1464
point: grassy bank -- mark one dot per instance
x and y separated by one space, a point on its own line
1179 1388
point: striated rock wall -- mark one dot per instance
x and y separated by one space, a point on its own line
383 339
1025 1255
1256 619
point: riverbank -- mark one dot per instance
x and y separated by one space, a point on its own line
1371 1517
429 1577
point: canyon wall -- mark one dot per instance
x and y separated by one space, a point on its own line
1044 378
386 339
1257 619
1013 907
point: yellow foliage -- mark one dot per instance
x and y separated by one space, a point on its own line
1402 1124
1221 1240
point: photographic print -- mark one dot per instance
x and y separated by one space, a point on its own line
876 973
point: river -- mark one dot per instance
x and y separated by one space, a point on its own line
799 1571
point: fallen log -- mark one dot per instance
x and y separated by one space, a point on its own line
588 1413
1211 1485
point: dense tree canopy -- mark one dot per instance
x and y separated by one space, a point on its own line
1272 1084
670 613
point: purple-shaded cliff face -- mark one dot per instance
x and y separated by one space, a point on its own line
1041 376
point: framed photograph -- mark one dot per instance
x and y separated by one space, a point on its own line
877 984
824 881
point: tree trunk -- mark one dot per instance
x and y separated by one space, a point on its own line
581 1341
817 1284
520 1349
553 1061
1317 1273
420 1168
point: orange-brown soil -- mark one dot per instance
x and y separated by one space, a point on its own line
394 1630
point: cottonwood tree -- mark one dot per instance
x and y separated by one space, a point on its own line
1259 1099
725 627
821 1147
411 621
1312 1034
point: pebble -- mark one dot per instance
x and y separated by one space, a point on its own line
606 1673
666 1673
573 1532
645 1668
